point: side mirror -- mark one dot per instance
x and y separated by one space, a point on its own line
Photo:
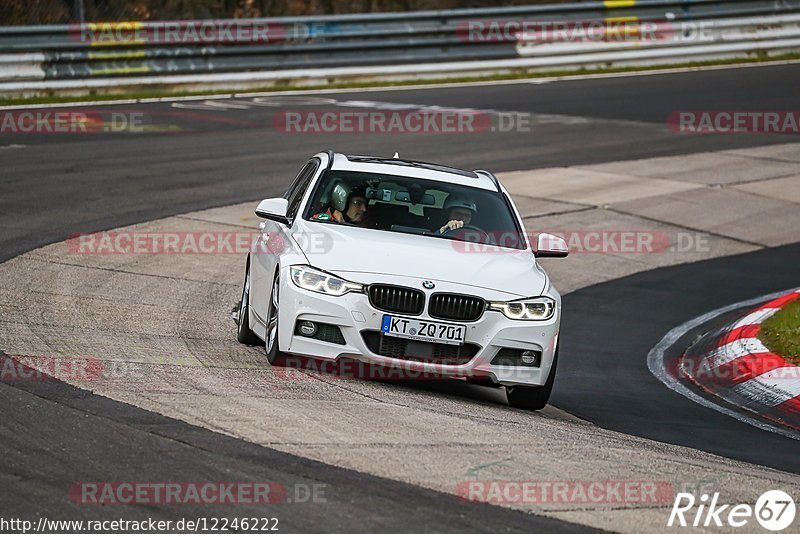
550 246
273 209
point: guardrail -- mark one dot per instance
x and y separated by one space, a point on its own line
39 59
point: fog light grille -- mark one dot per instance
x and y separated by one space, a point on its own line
513 358
328 333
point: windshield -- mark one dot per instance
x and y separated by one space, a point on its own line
409 205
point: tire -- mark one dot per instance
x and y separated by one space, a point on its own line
533 397
243 332
274 355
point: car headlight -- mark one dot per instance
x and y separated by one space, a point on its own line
535 309
312 279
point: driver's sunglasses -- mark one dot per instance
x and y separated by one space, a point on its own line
358 202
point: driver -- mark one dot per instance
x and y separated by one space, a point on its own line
348 205
460 211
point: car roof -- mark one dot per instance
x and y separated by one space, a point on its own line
414 169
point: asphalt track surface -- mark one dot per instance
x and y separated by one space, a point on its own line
54 186
54 435
612 325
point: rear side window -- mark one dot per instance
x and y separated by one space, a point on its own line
295 193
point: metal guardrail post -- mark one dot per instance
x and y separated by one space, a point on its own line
78 11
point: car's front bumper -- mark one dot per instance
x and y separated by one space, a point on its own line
353 314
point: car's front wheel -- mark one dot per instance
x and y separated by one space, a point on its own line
533 397
271 339
243 332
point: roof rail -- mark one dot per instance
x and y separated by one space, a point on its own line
410 163
491 176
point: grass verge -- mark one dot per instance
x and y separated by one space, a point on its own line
165 93
781 332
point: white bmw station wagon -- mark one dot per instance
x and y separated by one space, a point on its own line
405 264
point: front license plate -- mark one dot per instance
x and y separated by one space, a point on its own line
421 330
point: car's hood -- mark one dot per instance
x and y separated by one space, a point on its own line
340 250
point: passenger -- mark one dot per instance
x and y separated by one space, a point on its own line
348 205
460 211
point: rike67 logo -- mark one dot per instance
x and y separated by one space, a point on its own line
774 510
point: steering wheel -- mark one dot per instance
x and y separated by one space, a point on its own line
483 237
